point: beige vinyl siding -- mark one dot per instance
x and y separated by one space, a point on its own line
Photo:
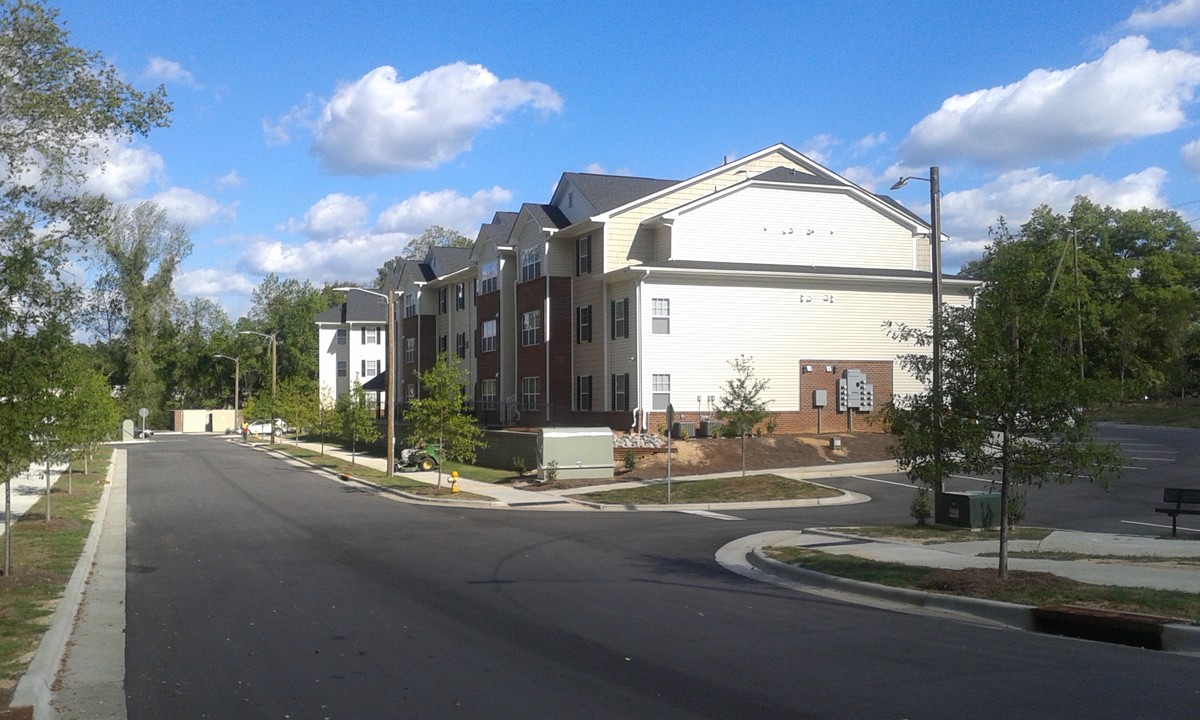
560 257
620 246
713 321
783 225
589 357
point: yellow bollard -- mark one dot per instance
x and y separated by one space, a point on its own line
454 481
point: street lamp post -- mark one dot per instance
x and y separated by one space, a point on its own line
935 240
237 373
274 373
390 398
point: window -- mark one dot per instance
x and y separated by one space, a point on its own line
660 388
410 350
583 255
443 300
531 264
460 296
583 393
487 393
410 391
460 345
342 368
620 391
531 327
443 344
370 336
342 335
370 368
410 304
529 393
583 324
620 318
487 341
488 282
371 397
660 313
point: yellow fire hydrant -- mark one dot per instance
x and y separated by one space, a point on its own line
454 481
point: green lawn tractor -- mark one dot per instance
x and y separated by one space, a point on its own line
414 459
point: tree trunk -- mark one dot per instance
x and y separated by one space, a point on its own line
1004 481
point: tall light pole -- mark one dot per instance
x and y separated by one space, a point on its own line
274 373
390 398
935 260
237 373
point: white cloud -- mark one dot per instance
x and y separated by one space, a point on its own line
380 124
192 209
444 207
230 179
212 283
967 214
1191 156
335 214
163 70
124 171
1130 92
817 147
280 131
344 258
1179 13
869 142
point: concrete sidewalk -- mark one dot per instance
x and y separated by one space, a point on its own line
1102 569
29 486
501 495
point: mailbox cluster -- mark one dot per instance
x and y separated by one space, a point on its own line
854 392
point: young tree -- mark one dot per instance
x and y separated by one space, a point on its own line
358 421
741 405
84 410
441 415
1011 395
297 403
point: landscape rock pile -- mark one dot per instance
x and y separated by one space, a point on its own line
639 440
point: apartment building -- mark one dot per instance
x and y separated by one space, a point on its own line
621 296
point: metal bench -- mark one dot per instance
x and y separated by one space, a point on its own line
1181 497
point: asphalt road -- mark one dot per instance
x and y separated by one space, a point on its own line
258 589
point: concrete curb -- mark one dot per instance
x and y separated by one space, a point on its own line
410 497
35 687
1176 638
846 497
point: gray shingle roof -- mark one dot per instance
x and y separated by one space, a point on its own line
546 215
360 307
791 175
606 192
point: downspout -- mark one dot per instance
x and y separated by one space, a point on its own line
637 365
546 323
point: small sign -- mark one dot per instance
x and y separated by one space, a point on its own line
143 412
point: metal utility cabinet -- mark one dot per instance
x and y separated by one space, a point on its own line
583 452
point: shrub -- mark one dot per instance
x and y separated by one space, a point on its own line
1016 507
920 509
519 465
629 459
550 471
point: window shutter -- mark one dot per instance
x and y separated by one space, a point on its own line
363 333
363 372
628 404
612 319
612 392
625 302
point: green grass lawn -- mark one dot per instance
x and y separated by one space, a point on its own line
934 534
721 490
1023 588
43 556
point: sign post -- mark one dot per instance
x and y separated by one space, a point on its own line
143 412
670 432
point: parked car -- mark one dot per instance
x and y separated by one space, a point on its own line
262 427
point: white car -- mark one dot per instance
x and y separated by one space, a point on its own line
262 427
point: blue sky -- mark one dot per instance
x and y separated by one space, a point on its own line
313 140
